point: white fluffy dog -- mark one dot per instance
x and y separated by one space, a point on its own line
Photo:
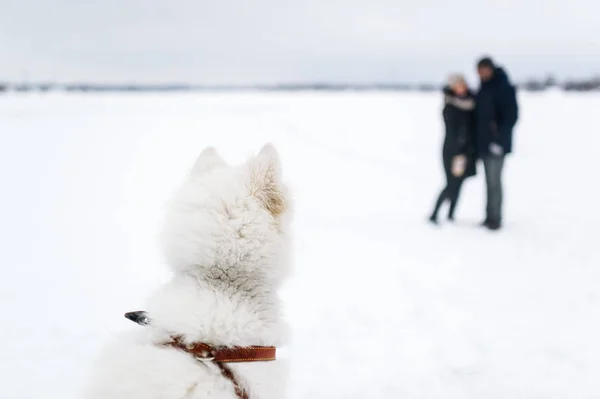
226 238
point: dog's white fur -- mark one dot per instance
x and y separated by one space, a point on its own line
226 238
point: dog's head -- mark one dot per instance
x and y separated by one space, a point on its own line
230 222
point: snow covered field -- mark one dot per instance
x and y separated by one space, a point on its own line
382 305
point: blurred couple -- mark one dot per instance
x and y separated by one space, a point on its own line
478 126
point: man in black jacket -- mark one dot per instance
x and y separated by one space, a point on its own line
496 113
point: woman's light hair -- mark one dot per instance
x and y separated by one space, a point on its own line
455 79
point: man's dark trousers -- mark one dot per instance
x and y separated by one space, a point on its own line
493 165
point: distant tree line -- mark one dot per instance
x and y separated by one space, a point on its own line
591 84
530 85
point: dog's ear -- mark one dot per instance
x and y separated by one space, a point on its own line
266 184
208 160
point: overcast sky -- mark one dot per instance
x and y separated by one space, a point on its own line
235 41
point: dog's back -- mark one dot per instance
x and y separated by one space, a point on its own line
225 237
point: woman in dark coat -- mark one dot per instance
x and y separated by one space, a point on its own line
459 143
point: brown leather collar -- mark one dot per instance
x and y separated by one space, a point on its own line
220 355
216 355
223 354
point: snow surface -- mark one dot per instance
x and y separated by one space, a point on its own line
382 304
